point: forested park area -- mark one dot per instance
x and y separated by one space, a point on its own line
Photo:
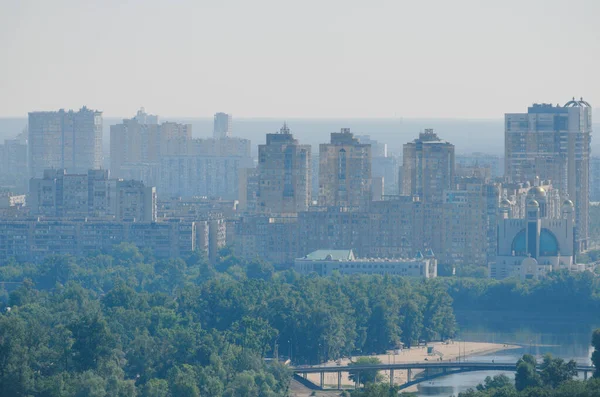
126 324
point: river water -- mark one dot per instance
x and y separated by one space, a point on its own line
568 338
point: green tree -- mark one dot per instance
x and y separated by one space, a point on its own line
596 353
364 376
555 371
92 341
183 382
377 390
243 385
496 382
412 324
156 388
526 375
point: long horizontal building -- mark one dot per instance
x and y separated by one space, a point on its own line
325 262
33 240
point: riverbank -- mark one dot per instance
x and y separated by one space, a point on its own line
452 351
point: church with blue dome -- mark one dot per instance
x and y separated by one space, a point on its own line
536 244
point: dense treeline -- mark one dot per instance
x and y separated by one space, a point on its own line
560 292
129 325
554 379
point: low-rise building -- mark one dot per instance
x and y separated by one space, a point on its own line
325 262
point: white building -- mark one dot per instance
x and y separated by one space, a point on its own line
533 246
325 262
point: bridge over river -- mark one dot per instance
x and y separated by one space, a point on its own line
427 371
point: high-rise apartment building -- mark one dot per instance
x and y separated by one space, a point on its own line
210 167
284 166
65 140
428 167
344 171
553 143
210 176
222 125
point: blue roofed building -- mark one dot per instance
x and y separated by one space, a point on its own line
534 245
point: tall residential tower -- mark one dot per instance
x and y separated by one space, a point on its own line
283 174
344 171
428 167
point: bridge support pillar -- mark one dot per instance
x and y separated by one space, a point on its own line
322 379
305 375
339 380
584 375
409 375
391 378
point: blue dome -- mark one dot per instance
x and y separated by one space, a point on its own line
548 243
519 244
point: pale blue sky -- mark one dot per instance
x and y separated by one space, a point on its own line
303 58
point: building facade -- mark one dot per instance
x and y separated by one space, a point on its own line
137 146
469 224
34 240
553 143
93 194
595 179
534 245
65 140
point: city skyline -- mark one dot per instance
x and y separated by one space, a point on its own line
391 59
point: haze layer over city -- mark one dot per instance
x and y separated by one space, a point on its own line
293 199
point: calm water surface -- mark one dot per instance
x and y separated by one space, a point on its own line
537 335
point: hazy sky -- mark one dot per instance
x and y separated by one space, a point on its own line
301 58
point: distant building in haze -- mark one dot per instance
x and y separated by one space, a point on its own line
553 143
284 166
138 145
65 140
383 164
14 162
144 118
222 125
345 171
